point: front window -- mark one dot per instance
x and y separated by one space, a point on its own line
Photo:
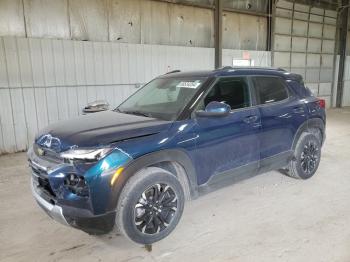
232 91
162 98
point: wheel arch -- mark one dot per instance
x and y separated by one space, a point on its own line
175 161
311 125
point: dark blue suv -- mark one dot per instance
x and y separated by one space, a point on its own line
178 137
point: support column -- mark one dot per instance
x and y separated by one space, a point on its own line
218 33
343 16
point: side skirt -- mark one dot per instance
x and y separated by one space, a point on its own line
239 174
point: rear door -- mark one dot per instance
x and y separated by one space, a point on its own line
282 112
227 143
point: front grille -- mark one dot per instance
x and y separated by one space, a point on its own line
48 154
41 180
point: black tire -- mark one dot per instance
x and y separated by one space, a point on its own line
150 183
307 156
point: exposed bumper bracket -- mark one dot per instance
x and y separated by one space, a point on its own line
53 211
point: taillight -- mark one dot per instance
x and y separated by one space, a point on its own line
321 102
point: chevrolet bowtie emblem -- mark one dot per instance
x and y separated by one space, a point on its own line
41 152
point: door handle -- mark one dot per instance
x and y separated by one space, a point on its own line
298 109
250 119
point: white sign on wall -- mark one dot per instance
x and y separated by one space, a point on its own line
242 62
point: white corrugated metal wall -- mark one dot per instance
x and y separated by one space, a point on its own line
57 56
46 80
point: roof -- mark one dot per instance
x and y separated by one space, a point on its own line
232 71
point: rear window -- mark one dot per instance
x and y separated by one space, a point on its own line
269 89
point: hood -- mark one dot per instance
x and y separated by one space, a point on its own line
98 129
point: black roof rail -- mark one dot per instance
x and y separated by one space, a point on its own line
253 68
223 68
174 71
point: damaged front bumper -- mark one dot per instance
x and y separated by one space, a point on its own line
74 217
65 207
54 211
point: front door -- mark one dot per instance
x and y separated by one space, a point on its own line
228 143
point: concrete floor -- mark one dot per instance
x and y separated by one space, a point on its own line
267 218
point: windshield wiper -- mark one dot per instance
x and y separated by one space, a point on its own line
137 113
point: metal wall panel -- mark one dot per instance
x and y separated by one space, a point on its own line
298 44
316 10
346 94
11 18
89 19
312 51
231 31
314 45
125 21
313 60
325 89
7 124
298 60
281 59
155 23
30 111
301 15
328 46
244 31
282 43
299 28
254 5
11 55
329 31
133 21
191 26
52 79
253 31
327 61
284 4
283 25
346 90
315 30
47 18
24 61
335 80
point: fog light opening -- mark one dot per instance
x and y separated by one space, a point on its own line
76 184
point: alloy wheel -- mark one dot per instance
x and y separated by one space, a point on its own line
155 209
309 157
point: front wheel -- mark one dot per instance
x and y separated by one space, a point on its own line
307 156
150 205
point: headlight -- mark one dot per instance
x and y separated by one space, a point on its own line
85 154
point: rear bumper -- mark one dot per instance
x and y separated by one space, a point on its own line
74 217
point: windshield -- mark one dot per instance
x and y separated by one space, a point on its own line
162 98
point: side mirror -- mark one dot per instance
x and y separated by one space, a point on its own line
214 109
96 106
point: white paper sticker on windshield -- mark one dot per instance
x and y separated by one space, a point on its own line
192 84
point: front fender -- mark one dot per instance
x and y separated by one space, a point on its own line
167 155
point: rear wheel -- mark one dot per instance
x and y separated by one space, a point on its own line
150 205
307 156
